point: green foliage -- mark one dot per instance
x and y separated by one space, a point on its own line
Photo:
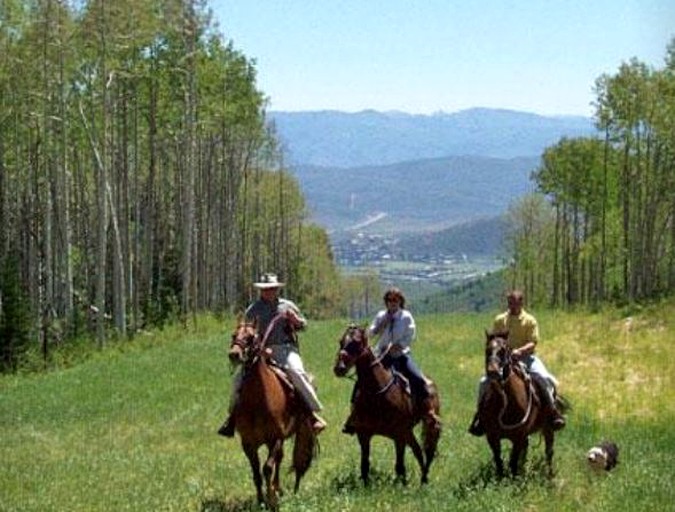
134 427
138 167
612 237
15 316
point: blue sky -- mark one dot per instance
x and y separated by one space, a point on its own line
426 56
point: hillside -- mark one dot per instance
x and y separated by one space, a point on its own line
342 139
135 429
422 195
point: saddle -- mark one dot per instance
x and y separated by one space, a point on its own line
403 381
281 374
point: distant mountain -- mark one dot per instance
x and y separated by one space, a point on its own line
341 139
414 196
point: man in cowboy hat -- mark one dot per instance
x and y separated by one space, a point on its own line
278 320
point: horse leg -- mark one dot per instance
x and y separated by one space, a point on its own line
518 455
496 447
251 452
400 460
279 452
419 455
364 441
548 443
271 472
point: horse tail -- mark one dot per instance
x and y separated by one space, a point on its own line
431 432
305 448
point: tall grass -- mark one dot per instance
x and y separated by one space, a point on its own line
134 429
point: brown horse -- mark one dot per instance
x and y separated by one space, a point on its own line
268 412
384 407
511 408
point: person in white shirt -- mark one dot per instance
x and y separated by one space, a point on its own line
395 327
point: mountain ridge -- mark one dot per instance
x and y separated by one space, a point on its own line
414 196
334 138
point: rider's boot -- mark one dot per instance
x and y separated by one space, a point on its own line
318 423
476 428
348 427
556 419
227 428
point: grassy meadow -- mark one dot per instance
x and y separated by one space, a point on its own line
133 428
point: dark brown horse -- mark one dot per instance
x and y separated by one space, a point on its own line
511 408
384 407
266 413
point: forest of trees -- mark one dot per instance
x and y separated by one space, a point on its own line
141 182
602 227
139 179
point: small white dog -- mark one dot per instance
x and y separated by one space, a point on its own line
603 456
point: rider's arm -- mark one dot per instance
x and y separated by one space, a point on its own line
524 351
293 316
378 324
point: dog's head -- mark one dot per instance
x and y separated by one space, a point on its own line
597 458
604 456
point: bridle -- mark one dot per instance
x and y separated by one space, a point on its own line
352 348
498 360
247 340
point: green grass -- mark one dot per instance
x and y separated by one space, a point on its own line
134 429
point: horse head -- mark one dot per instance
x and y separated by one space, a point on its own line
244 341
351 345
497 355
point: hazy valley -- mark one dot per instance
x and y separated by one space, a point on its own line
418 198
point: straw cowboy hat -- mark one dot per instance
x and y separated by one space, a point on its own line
268 281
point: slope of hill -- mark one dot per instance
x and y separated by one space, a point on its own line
479 237
135 428
341 139
419 195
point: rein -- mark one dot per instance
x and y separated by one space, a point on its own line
378 360
268 331
375 362
381 357
528 411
